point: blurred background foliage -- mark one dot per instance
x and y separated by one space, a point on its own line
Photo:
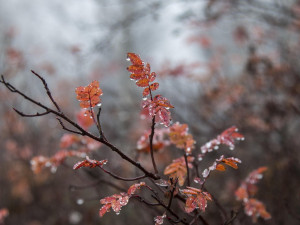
220 63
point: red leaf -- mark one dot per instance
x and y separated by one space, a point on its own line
132 189
177 169
115 202
89 96
143 82
196 199
134 58
154 86
136 69
181 138
89 163
84 119
146 92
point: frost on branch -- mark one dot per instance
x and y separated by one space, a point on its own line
177 169
159 141
91 163
116 201
89 96
247 190
180 137
196 198
226 138
219 165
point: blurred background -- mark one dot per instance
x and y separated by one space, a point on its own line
220 63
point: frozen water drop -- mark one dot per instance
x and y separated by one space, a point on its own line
85 114
144 98
127 59
99 104
231 148
118 213
242 139
79 201
53 169
216 147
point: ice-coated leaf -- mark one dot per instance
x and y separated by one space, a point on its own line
89 163
181 138
116 202
89 96
227 137
177 169
154 86
146 92
159 220
144 82
196 198
133 188
134 58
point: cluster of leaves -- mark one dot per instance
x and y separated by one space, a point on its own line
158 106
159 140
70 145
178 169
89 96
227 137
247 190
180 137
116 201
196 198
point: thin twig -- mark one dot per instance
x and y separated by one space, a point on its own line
67 129
151 145
122 178
187 169
47 90
30 115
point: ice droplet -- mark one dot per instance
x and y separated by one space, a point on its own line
53 169
231 148
127 59
216 147
79 201
85 114
118 213
144 98
99 104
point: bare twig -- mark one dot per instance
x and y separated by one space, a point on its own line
122 178
187 169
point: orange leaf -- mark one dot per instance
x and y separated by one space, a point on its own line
89 96
132 189
220 167
143 82
154 86
134 58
